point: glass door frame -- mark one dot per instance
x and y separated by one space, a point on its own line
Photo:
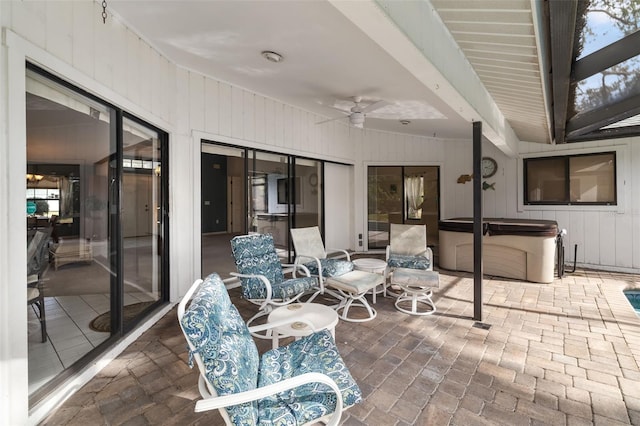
402 179
115 244
249 156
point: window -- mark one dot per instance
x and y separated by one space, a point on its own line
588 179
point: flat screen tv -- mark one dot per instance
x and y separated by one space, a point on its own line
283 191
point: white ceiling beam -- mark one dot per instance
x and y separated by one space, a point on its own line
415 36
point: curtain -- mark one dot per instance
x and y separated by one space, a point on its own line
414 189
66 197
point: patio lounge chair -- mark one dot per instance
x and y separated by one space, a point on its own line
337 277
262 277
408 248
301 383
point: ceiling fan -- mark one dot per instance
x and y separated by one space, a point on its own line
357 113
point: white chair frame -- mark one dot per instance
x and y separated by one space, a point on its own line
211 400
309 246
417 235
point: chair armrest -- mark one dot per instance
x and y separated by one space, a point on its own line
265 391
264 280
319 265
343 253
231 282
388 253
295 266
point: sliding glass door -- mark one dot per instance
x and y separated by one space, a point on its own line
96 228
384 203
306 186
223 205
141 218
270 197
402 194
245 191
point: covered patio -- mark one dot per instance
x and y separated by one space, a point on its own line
566 353
331 94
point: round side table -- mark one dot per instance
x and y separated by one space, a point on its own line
377 266
320 316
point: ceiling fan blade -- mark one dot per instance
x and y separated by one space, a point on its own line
331 119
376 105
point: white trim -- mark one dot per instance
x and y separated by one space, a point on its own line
543 62
14 389
200 135
196 152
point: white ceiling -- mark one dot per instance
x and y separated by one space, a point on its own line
328 59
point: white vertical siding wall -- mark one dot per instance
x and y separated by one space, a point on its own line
607 237
338 186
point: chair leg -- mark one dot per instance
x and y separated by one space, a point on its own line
418 299
386 280
355 301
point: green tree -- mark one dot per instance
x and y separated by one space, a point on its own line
623 79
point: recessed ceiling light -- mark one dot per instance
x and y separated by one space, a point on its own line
405 122
272 56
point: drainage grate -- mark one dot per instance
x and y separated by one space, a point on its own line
482 325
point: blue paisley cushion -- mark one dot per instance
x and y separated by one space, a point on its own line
314 353
286 289
330 267
214 327
406 261
256 254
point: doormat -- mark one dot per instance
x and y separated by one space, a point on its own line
102 322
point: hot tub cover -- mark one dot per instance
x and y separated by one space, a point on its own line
503 226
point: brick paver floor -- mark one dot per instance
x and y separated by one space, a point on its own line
565 353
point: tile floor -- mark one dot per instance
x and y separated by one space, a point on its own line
69 336
565 353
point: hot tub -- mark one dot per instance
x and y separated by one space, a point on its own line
513 248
